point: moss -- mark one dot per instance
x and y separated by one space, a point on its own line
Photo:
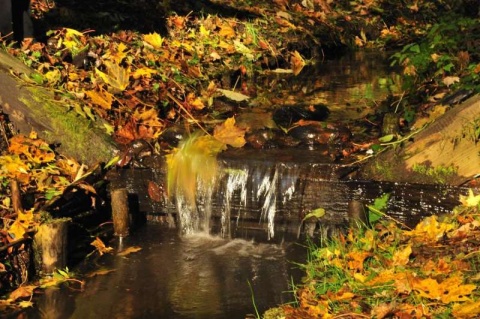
79 137
440 174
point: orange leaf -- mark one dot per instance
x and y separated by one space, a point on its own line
297 63
129 250
155 192
401 258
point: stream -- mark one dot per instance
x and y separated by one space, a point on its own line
205 276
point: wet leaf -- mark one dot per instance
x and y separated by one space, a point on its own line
155 192
129 250
429 229
230 134
234 96
450 290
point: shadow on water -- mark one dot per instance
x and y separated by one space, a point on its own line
194 277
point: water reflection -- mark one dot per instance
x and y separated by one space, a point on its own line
193 277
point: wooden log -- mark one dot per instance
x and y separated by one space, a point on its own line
121 219
50 245
32 107
447 151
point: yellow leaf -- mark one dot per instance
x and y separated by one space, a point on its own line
154 39
429 229
116 77
471 200
129 250
230 134
21 225
101 98
204 32
450 290
401 258
144 71
466 310
25 304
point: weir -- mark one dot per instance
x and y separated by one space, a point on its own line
266 195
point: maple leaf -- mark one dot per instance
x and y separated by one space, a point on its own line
230 134
466 310
356 259
21 225
116 77
429 229
471 200
450 290
145 72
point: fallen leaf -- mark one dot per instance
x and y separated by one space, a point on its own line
449 80
154 39
230 134
102 98
297 63
22 292
117 77
471 200
234 96
401 257
129 250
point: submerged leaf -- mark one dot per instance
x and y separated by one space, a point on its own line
129 250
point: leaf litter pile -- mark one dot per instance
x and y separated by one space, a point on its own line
141 84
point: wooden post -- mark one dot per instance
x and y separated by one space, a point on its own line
120 215
357 215
50 244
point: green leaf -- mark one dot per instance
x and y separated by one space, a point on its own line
375 211
319 212
386 138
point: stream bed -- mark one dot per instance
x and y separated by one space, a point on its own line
198 276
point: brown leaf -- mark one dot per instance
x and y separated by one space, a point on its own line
155 191
100 272
101 98
100 246
297 63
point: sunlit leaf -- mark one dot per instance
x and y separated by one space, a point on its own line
471 200
430 229
101 98
145 72
25 304
228 133
154 39
243 49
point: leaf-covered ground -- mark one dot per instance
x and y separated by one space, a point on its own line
144 67
430 271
